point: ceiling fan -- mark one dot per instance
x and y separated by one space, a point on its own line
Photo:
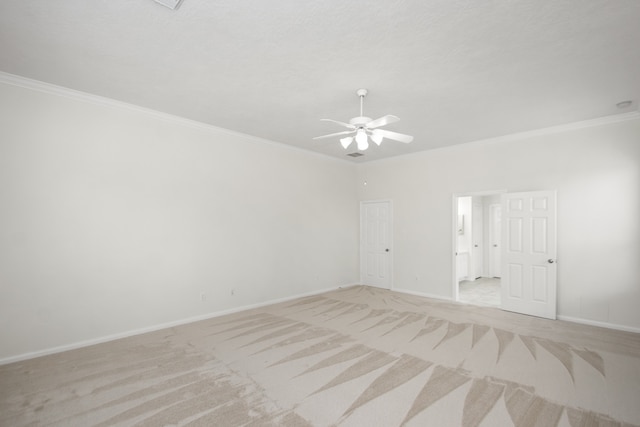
365 128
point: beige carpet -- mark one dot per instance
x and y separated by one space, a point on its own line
358 356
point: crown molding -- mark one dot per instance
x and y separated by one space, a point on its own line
39 86
599 121
27 83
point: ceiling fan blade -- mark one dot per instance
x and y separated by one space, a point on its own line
384 120
346 132
347 125
395 136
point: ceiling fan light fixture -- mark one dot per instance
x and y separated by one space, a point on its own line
363 145
346 142
376 138
364 128
361 140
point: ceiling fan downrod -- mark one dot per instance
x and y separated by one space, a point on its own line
361 93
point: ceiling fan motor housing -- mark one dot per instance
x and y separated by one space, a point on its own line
359 121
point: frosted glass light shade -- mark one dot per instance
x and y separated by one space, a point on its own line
376 137
346 142
361 140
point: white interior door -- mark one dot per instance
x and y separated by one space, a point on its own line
375 244
529 253
495 240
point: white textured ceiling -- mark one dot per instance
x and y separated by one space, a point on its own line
454 71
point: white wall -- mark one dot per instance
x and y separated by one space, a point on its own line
596 171
114 220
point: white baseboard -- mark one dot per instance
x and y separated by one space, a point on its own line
107 338
559 317
348 285
422 294
599 324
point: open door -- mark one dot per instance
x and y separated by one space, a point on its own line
529 253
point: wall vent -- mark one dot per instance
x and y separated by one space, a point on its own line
356 154
171 4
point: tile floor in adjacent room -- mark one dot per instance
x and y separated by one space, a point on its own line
482 291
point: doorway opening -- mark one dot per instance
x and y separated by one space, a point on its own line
477 246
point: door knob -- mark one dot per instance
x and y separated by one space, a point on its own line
551 261
386 250
495 246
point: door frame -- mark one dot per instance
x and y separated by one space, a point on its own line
454 230
477 255
492 229
361 243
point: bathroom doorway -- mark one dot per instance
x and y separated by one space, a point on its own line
477 244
